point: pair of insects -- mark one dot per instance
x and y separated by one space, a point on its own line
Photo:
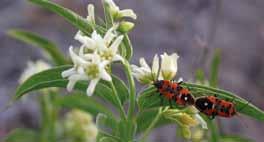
209 105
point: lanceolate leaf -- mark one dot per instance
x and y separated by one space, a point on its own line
121 88
40 42
128 47
82 102
52 78
22 135
215 68
145 118
149 99
126 130
69 15
234 139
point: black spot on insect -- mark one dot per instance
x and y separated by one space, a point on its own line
203 104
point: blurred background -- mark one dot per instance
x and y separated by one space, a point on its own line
193 28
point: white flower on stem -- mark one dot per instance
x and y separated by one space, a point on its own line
91 17
116 12
186 118
111 53
89 43
144 74
105 46
76 72
33 68
95 70
169 66
92 69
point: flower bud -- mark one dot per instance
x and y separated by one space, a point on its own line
186 132
169 66
126 27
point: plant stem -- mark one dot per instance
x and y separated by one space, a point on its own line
121 109
49 116
132 91
214 131
153 123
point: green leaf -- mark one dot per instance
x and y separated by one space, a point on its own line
121 89
108 16
126 130
52 78
40 42
82 102
234 139
199 76
22 135
150 99
75 19
107 139
215 68
145 118
106 123
128 47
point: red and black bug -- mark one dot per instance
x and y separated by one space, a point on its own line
213 106
173 91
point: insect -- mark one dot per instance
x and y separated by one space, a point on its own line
173 91
213 106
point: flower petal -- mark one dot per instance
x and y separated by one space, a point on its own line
105 76
75 58
90 16
71 85
128 13
155 65
109 36
201 121
68 72
114 46
91 87
143 63
118 58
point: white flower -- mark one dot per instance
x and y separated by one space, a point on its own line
91 17
95 70
76 72
144 74
33 68
116 12
92 69
110 53
89 43
104 46
169 66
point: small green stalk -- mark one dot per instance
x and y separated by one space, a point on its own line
132 91
214 130
121 109
151 126
49 116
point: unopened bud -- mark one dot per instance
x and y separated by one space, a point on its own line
126 27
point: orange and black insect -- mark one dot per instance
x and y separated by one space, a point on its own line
213 106
173 91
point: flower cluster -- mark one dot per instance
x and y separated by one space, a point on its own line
166 70
33 68
79 126
186 119
96 53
